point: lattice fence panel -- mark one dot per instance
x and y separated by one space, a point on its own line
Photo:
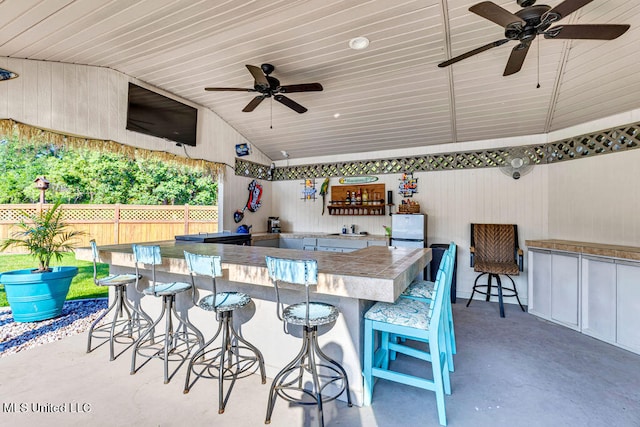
167 214
15 215
202 215
71 214
603 142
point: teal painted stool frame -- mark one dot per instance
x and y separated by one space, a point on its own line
448 257
238 365
377 361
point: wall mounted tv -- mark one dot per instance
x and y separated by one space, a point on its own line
156 115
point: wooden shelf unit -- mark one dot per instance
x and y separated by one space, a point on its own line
374 206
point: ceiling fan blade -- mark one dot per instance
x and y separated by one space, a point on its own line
290 103
304 87
497 14
258 75
472 52
590 32
253 104
567 7
516 59
235 89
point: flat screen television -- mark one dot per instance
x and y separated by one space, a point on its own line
153 114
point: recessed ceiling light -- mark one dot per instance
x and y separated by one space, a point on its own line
336 115
359 43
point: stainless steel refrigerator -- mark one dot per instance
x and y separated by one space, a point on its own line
409 230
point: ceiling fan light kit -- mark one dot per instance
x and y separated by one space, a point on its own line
270 87
516 163
531 21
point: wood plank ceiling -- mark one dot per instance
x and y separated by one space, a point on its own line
391 95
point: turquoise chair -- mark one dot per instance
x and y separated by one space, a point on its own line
422 290
415 320
174 342
135 318
233 347
288 384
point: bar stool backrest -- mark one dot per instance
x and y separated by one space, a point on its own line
94 253
204 265
150 255
442 269
295 271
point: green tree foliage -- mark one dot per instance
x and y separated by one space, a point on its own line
84 176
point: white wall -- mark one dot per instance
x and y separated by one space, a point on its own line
92 102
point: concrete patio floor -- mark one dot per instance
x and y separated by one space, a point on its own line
517 371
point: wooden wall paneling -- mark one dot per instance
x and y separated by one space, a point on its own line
58 93
43 108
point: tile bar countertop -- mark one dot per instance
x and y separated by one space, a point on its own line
375 273
598 249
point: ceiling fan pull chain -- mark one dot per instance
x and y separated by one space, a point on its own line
271 115
538 85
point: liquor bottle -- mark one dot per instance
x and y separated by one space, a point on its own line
347 200
365 197
358 197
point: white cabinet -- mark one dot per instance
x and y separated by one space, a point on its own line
628 301
596 295
554 288
599 298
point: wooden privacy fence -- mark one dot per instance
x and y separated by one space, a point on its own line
114 224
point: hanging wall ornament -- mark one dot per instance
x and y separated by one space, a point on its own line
255 194
408 185
324 189
6 74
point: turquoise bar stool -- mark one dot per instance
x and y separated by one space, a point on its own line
135 318
415 320
174 342
423 290
324 371
230 360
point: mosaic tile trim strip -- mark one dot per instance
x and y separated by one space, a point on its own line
589 145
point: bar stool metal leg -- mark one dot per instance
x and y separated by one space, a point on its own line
306 361
223 360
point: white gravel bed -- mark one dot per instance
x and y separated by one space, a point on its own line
76 318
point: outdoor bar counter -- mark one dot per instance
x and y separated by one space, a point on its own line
350 281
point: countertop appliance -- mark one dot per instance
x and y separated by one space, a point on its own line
227 238
273 224
409 230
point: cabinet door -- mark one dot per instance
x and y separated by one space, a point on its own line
599 298
540 283
628 316
290 243
269 243
565 290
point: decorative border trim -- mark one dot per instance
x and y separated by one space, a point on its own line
579 147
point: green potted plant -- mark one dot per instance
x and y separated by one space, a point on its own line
39 294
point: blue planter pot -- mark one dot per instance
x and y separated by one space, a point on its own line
37 296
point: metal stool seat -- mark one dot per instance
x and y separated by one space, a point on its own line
166 289
172 342
119 326
325 372
235 357
224 301
319 314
